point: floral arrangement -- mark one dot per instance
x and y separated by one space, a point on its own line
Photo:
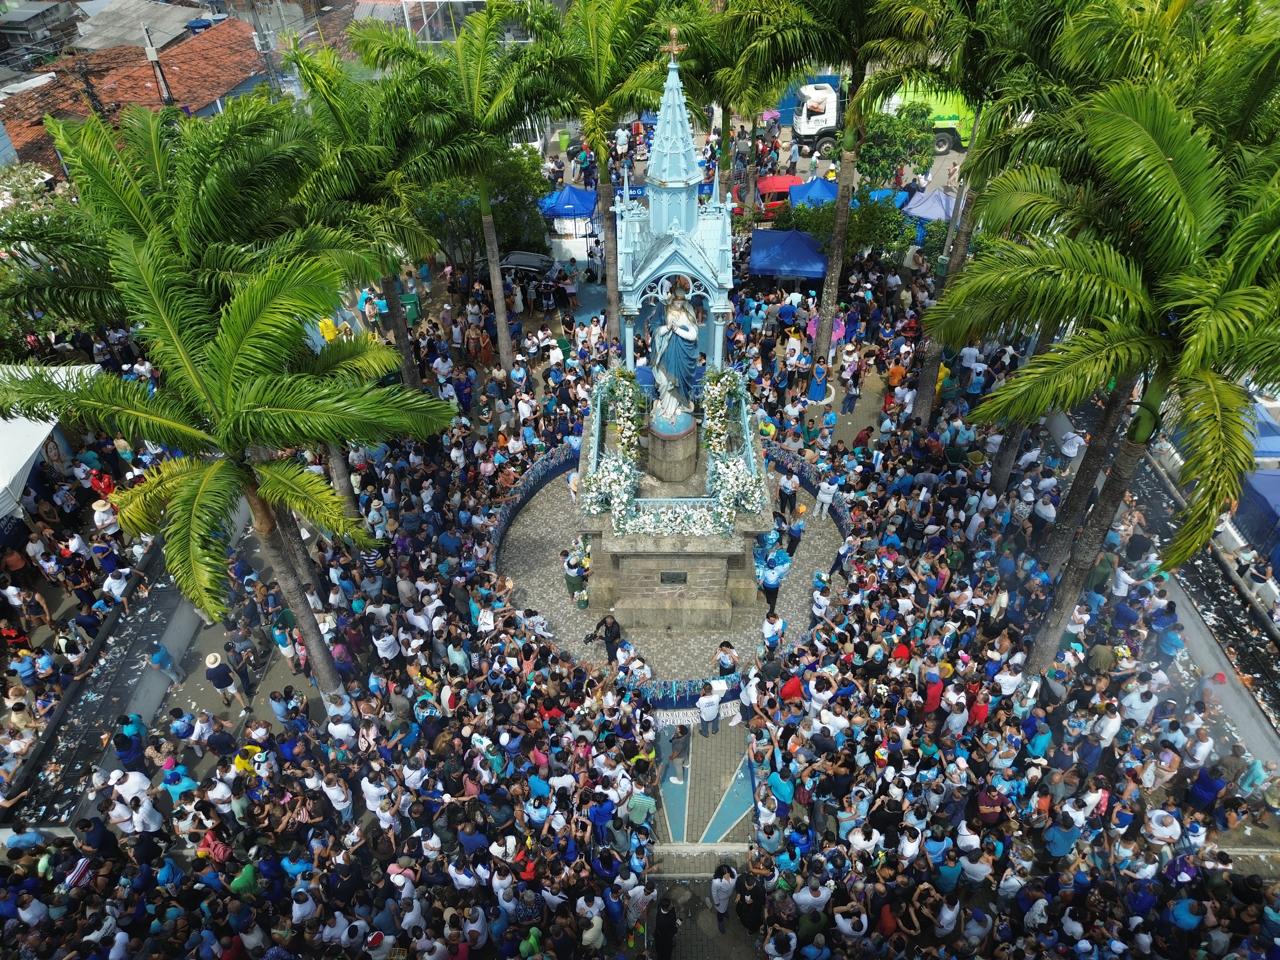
611 487
720 389
737 487
618 398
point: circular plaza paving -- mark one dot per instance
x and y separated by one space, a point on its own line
530 555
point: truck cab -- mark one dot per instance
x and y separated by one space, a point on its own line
818 117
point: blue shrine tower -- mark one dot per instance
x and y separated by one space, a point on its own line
676 242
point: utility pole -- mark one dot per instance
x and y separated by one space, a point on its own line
90 91
162 84
264 43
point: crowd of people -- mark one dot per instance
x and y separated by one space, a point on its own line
474 791
74 566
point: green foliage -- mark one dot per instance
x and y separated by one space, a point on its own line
935 238
219 291
449 209
876 226
892 140
1164 286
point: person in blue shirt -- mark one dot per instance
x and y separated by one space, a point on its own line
1060 837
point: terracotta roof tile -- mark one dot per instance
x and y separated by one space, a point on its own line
199 71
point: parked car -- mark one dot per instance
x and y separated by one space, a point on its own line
774 193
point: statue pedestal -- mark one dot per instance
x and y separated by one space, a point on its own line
673 449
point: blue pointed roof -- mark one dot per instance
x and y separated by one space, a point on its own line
672 158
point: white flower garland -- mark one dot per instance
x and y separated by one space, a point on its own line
619 399
719 388
611 488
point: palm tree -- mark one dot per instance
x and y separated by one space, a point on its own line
369 128
599 62
486 87
1175 287
207 249
238 381
714 69
1219 62
839 34
980 50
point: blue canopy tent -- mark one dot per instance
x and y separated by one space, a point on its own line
899 197
569 202
786 253
574 204
930 205
815 193
1266 442
1258 515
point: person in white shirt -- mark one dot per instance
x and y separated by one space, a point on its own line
1121 582
708 711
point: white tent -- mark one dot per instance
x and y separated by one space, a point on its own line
22 440
930 205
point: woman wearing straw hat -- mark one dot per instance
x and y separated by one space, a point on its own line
105 520
223 679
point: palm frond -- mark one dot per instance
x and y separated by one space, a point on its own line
1214 314
105 184
1034 199
1069 372
176 320
1162 166
362 358
286 483
297 411
105 402
1067 282
1215 419
261 328
141 508
197 528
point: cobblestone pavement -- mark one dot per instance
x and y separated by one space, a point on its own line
531 556
698 938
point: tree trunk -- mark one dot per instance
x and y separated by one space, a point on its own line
927 380
960 251
1006 457
506 356
1091 465
284 569
749 186
400 333
957 212
835 255
340 477
1084 553
609 229
726 152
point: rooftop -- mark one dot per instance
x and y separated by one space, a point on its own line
199 70
29 11
120 22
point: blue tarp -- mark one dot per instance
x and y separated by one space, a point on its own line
930 205
786 253
899 197
815 193
1266 444
1258 515
569 203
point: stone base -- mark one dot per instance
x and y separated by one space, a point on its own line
673 457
